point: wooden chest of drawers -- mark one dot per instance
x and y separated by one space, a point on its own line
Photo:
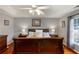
3 43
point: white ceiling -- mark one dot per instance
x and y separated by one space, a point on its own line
54 11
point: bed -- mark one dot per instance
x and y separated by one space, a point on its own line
38 44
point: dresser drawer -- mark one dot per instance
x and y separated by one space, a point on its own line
3 43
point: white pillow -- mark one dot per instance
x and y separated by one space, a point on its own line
39 33
31 34
46 34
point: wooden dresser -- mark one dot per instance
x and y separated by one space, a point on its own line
25 45
3 43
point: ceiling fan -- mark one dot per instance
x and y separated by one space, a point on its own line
34 9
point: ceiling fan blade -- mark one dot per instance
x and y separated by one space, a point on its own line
31 11
26 8
43 7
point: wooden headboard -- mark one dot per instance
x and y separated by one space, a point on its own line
34 29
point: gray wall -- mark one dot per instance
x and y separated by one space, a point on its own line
63 30
45 23
6 30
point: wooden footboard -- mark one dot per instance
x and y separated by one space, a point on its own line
24 45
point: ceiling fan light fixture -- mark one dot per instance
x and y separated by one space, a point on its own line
39 12
36 10
30 11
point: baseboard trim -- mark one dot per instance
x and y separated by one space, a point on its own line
8 43
71 49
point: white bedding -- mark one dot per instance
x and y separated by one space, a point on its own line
46 34
39 33
31 34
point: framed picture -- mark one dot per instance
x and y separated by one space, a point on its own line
63 24
36 22
6 22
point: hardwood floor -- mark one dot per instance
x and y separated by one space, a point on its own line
10 50
68 51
